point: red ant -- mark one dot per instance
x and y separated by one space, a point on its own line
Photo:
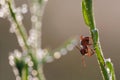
85 47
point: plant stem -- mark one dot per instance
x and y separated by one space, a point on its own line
107 70
20 28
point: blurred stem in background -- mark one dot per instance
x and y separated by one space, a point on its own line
28 63
106 65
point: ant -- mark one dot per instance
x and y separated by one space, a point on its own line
85 47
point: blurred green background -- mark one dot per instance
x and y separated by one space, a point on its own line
62 20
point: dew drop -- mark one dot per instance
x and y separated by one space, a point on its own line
15 71
18 54
12 28
34 18
35 78
30 77
1 13
11 60
63 51
19 17
49 59
70 47
2 2
18 78
57 55
30 63
34 72
24 8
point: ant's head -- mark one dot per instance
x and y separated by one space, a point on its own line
85 40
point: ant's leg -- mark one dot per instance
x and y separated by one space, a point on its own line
92 51
83 61
88 51
77 47
81 37
88 54
91 40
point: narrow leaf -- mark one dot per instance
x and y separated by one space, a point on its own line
25 73
110 69
87 13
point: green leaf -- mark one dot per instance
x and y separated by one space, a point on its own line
110 69
22 67
87 13
25 73
40 1
35 61
104 71
19 65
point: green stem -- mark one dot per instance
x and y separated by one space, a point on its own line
21 29
106 66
